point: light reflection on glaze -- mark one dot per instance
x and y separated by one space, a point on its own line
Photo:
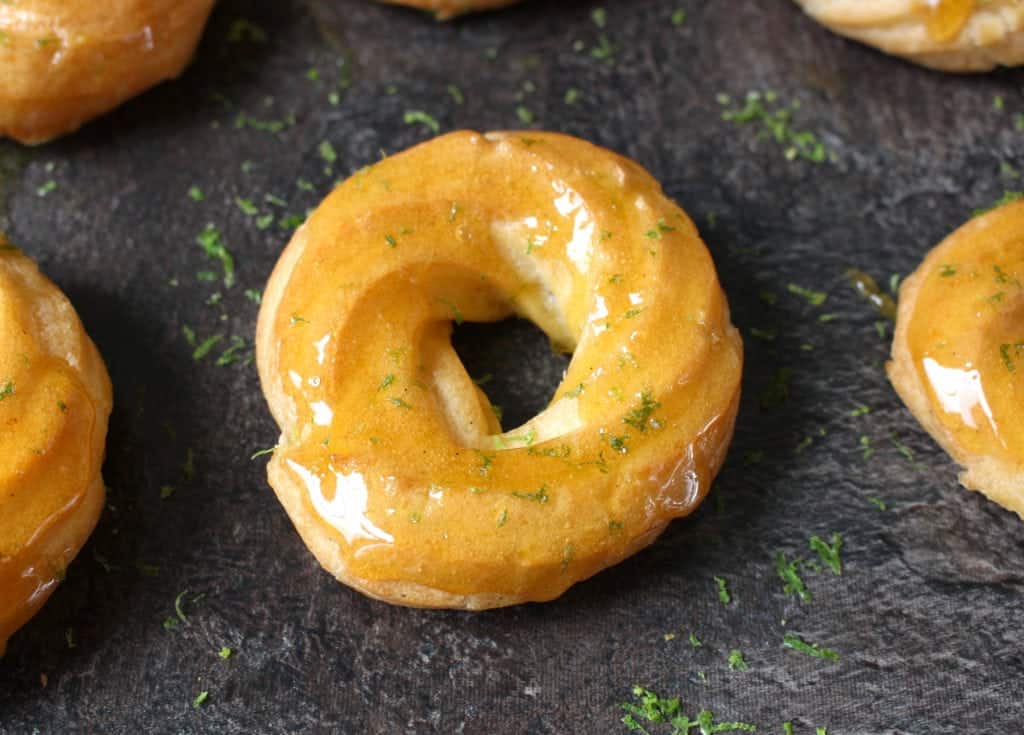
321 348
960 391
346 511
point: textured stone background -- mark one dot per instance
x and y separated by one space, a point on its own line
927 617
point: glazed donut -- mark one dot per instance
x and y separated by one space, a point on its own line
951 35
54 403
391 462
447 9
64 62
958 351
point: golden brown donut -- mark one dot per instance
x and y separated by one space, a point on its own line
54 403
951 35
391 462
958 351
64 62
447 9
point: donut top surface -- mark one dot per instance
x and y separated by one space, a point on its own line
51 437
400 454
967 333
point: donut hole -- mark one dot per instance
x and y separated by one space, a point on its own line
513 363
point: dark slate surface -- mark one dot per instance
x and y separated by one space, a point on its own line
927 616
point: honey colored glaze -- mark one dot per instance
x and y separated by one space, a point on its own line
947 18
959 350
54 404
64 62
446 9
391 462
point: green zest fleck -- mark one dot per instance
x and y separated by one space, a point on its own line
231 354
575 392
791 640
400 403
1006 198
210 241
572 96
245 30
391 241
600 17
486 460
7 391
829 553
902 448
412 117
776 119
866 450
860 410
678 17
225 652
327 152
723 591
503 518
736 660
247 206
787 728
618 443
46 188
640 415
947 271
789 573
541 496
179 606
204 347
388 381
695 641
200 700
526 117
604 50
262 452
814 298
195 194
652 708
456 94
878 503
1004 352
453 310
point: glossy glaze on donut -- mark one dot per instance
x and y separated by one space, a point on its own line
64 62
952 35
391 462
55 399
447 9
958 351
